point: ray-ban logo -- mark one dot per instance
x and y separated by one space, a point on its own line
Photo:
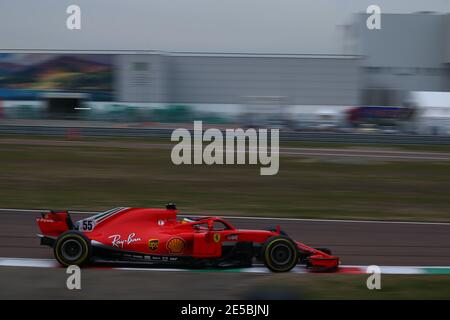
227 149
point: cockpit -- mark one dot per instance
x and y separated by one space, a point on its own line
207 224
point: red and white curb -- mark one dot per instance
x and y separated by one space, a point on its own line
348 269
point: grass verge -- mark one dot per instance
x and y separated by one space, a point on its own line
97 178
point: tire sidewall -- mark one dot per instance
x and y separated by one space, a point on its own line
268 246
81 239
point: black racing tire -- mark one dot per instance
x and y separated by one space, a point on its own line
324 250
282 232
72 248
279 254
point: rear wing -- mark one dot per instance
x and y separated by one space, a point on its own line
54 223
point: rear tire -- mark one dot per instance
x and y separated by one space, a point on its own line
280 254
72 248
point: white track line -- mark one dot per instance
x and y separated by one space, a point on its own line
338 220
50 263
25 262
28 211
369 151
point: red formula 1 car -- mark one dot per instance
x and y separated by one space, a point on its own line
137 236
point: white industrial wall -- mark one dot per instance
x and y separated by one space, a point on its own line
141 78
222 79
301 80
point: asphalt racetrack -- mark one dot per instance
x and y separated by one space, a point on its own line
355 242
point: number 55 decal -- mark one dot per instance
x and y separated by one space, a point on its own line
87 225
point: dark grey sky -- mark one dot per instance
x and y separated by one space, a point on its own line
251 26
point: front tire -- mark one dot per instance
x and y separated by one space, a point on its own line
280 254
72 248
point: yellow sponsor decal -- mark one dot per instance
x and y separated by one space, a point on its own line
153 244
216 237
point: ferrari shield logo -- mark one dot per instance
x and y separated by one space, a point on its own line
216 237
153 244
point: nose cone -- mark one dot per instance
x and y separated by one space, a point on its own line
330 263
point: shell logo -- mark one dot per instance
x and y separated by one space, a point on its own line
176 245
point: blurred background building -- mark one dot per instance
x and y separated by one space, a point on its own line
410 53
375 83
